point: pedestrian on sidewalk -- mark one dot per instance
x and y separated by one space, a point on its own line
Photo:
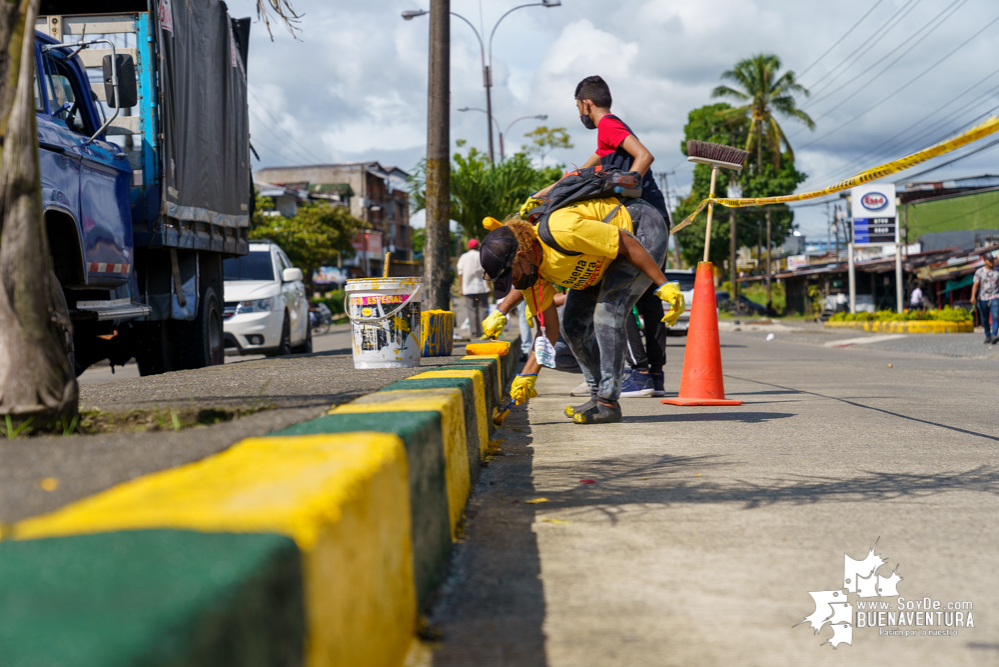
986 288
615 251
916 298
473 287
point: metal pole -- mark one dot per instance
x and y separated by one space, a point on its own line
502 151
768 256
733 274
487 82
437 261
852 277
899 291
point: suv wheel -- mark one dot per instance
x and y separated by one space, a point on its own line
306 346
284 347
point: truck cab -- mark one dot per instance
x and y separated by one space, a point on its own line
143 138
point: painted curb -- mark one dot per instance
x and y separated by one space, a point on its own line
368 499
911 326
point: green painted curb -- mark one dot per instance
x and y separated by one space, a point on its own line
151 598
474 447
421 434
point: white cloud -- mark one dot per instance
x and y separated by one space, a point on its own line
354 87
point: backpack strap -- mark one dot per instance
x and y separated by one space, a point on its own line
545 232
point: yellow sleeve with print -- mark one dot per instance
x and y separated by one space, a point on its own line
532 298
580 227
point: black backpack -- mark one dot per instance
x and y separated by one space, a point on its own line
590 183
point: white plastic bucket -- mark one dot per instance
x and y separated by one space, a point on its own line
385 314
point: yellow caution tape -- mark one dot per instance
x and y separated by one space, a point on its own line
974 134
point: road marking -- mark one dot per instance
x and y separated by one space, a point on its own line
863 341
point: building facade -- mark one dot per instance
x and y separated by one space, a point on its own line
375 193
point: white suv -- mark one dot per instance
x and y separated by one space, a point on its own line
266 309
686 280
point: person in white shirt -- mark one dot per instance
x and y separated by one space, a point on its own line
916 298
473 287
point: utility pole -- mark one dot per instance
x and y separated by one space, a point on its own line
437 260
768 256
733 274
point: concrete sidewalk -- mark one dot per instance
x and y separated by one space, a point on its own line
706 528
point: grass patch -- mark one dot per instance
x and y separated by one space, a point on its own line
946 314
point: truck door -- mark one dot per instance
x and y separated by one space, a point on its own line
104 212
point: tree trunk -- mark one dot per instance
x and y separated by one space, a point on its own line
36 377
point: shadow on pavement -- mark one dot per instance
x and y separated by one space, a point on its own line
744 417
491 609
948 427
662 480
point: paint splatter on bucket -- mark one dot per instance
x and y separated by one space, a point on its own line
385 317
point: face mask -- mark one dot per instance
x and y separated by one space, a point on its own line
527 280
587 122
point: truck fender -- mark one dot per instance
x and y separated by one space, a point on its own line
66 246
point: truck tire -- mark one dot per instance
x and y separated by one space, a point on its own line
201 342
152 347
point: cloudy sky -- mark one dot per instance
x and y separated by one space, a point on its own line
887 77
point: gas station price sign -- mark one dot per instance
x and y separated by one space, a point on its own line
874 216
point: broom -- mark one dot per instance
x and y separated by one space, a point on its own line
716 156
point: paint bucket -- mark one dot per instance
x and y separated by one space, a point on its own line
385 317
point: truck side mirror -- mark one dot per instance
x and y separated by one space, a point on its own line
291 275
128 87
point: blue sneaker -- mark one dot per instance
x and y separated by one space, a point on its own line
636 384
658 382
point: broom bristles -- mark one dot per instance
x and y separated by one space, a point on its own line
709 152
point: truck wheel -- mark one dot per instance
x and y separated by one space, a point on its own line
200 342
152 346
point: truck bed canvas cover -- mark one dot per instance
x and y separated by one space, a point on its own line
205 126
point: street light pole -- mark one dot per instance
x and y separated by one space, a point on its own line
487 66
437 261
502 152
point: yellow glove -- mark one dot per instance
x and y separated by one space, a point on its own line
528 206
493 325
670 293
491 223
522 388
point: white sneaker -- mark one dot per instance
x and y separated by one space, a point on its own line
581 390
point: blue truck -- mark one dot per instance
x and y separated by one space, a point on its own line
143 137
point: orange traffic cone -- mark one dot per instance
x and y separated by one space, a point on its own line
701 382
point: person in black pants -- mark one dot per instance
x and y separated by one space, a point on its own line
646 358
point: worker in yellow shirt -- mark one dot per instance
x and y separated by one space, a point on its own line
606 252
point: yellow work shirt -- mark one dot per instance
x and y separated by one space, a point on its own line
579 228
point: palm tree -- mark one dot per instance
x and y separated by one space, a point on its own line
765 92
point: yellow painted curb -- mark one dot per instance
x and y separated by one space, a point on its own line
343 498
451 406
479 385
911 326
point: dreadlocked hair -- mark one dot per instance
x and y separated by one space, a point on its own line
524 231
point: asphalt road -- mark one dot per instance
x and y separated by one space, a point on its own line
705 528
338 338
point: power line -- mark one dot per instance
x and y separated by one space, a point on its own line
903 86
957 159
289 149
916 140
840 40
912 45
277 123
867 44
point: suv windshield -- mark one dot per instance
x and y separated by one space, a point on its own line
255 266
686 280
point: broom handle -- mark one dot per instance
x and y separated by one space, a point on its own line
711 210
